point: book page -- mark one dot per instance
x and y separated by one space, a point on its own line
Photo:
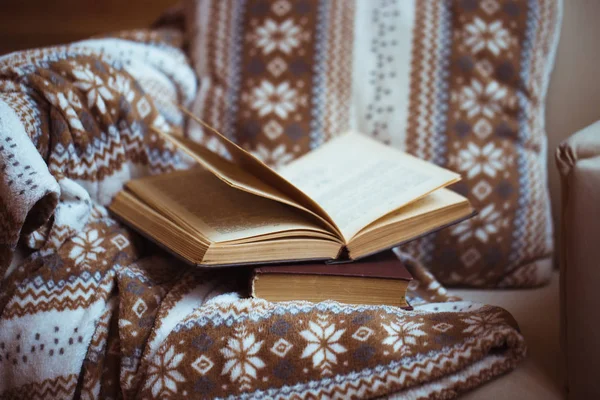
430 213
357 180
281 189
232 173
196 199
441 199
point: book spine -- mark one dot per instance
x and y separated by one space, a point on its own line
342 257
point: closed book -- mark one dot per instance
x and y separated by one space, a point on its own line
378 280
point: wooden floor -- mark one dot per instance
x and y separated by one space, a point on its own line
35 23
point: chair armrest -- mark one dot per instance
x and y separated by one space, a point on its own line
578 161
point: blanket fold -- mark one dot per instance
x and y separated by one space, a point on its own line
94 311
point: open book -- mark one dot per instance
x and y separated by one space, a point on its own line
349 198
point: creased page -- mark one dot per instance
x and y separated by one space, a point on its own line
265 174
197 199
358 180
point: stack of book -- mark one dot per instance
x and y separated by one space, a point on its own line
350 198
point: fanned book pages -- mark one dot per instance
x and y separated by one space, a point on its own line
349 198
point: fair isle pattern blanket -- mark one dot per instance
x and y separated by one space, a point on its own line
90 310
461 83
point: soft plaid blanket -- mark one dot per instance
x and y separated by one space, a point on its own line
90 310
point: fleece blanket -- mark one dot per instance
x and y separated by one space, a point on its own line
90 310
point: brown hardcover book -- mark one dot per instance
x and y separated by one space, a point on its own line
381 279
349 198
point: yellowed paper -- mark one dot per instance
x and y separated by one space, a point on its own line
201 202
249 163
441 199
358 180
236 176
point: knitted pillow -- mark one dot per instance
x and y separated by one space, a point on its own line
460 83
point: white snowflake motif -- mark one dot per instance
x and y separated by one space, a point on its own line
163 374
86 248
242 360
402 334
280 99
272 36
71 99
122 85
69 104
463 231
482 226
97 92
322 344
275 158
493 36
480 323
487 223
477 99
475 160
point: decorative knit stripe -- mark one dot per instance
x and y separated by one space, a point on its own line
319 63
338 68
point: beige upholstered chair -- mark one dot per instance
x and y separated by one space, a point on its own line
564 346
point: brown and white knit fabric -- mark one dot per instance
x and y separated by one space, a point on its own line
93 311
461 83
